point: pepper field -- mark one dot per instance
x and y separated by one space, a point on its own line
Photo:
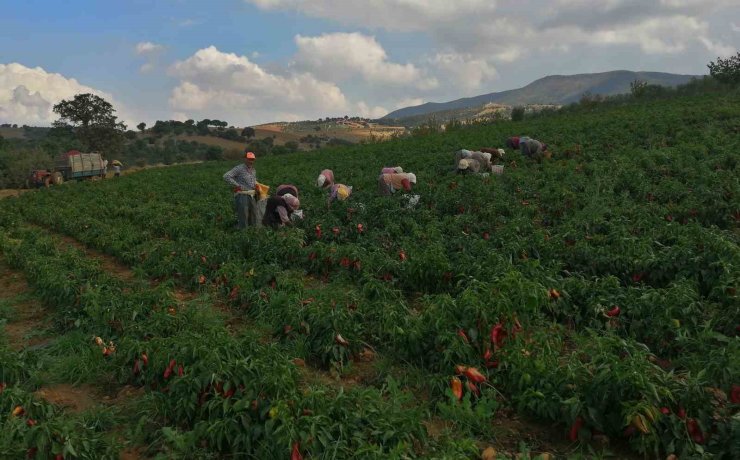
582 307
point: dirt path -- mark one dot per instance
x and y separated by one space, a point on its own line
8 192
26 318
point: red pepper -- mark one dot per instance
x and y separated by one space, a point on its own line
473 389
145 358
356 265
30 422
335 231
695 431
681 413
229 393
31 453
573 433
312 256
402 255
462 334
613 312
2 387
665 411
318 231
498 334
59 457
360 228
234 293
168 371
137 369
735 394
345 262
296 453
474 375
180 371
486 236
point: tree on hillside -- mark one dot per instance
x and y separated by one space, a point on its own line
726 70
248 132
93 121
141 126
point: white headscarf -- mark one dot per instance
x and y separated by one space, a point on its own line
412 178
320 181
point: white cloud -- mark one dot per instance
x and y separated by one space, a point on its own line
463 70
341 56
226 85
27 95
400 15
144 48
151 52
508 30
366 111
408 102
718 48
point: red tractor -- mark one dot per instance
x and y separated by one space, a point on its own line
69 165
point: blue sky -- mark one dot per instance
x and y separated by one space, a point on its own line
253 61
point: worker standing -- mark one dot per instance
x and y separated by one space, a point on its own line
117 170
243 178
390 183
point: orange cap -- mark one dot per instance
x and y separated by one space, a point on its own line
249 155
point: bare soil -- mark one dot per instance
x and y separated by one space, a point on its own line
74 399
9 192
27 321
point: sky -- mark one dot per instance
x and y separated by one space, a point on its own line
256 61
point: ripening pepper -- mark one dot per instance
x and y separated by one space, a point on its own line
456 387
574 429
296 453
474 375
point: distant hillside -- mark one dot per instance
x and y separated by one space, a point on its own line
554 89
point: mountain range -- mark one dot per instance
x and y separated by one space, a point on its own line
553 89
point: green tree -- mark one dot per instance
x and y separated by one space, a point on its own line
248 132
517 114
726 70
638 88
141 126
93 121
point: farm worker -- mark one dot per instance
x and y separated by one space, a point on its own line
462 154
117 170
285 189
482 158
532 148
339 192
105 169
325 179
244 179
391 170
468 165
513 142
499 153
279 209
389 183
